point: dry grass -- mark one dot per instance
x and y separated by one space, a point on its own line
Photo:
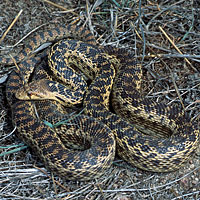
165 38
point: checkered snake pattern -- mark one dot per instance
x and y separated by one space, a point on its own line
125 126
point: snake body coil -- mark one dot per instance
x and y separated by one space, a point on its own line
111 70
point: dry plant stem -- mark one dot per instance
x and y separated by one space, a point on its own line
89 11
61 7
34 30
192 57
169 184
176 47
56 5
153 18
57 182
15 63
175 86
11 25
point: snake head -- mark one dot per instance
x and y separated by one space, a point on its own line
46 89
32 91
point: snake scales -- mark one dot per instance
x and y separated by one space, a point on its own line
115 70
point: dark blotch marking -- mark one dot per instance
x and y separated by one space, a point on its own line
50 33
42 36
60 99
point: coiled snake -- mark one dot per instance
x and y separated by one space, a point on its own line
114 73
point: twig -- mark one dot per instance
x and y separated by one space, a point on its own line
35 29
59 6
15 63
176 47
57 182
11 25
153 18
170 184
186 195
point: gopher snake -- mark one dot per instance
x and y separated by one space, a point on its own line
141 150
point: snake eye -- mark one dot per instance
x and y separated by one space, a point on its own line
29 94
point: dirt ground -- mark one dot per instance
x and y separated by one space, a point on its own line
171 74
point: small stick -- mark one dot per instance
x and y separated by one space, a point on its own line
58 6
16 65
11 25
54 4
176 47
57 182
